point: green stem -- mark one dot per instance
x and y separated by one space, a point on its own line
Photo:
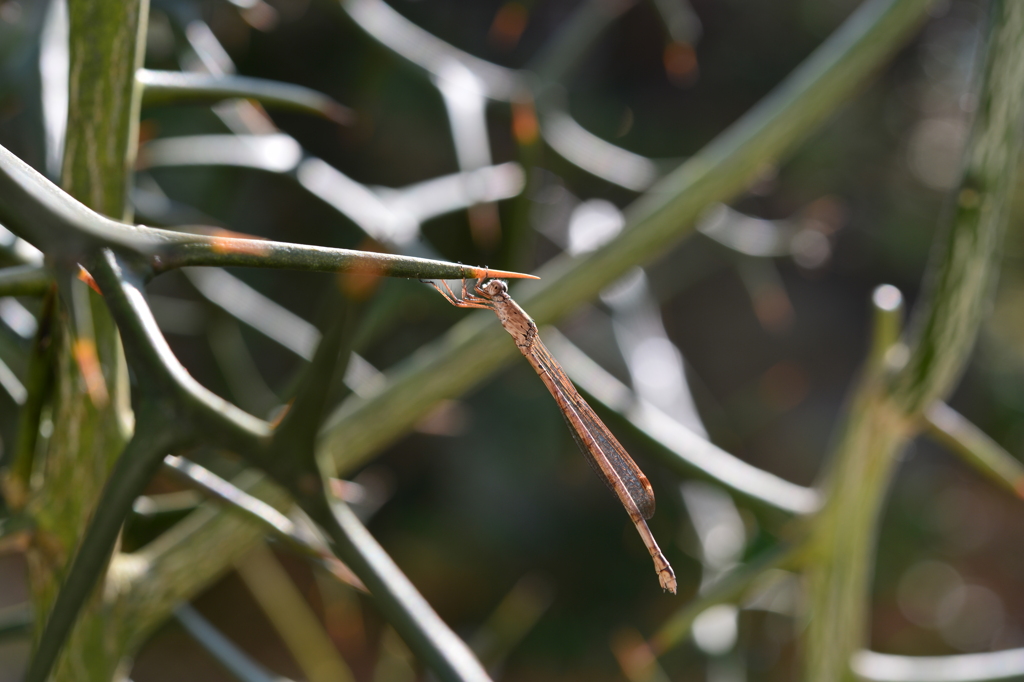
71 233
182 250
842 557
136 466
243 503
107 42
173 87
39 385
887 413
91 409
966 262
25 280
975 447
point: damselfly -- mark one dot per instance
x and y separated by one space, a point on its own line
608 458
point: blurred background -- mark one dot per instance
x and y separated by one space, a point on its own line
750 331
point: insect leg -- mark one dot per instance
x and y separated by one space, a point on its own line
449 295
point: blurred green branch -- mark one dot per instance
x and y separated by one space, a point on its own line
292 617
870 666
888 405
24 280
258 510
236 661
173 87
950 428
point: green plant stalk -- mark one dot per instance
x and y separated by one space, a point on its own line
292 617
92 626
477 346
107 43
174 87
888 323
887 412
106 47
38 381
86 442
965 265
24 280
975 447
841 557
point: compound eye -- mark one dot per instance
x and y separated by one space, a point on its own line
496 286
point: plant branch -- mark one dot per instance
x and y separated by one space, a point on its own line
107 44
965 264
39 384
995 665
71 233
886 410
292 617
182 249
134 469
239 663
173 87
168 383
286 455
950 428
25 280
263 513
174 575
90 403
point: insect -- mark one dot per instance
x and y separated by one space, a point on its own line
608 458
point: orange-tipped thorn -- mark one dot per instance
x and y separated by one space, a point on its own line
84 275
487 273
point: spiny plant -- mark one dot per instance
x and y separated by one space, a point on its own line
104 403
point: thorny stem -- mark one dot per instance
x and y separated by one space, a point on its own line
90 393
655 222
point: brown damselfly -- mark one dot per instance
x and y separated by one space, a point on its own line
607 457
